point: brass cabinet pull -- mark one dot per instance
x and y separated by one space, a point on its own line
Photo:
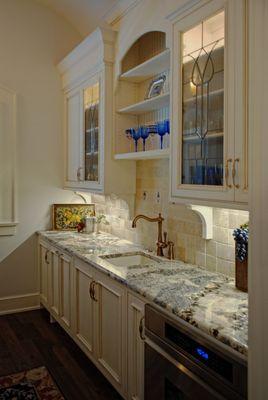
90 290
229 160
93 291
236 161
141 329
78 174
46 259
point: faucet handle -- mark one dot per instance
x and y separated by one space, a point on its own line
171 250
165 237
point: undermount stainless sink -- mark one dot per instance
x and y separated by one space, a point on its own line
131 259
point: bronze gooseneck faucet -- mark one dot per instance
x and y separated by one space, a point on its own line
161 244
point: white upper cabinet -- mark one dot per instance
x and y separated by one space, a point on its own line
209 135
87 75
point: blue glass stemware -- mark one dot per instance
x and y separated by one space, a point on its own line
136 135
144 132
161 130
167 126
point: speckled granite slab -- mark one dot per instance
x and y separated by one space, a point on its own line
207 300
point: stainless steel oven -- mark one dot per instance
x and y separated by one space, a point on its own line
183 364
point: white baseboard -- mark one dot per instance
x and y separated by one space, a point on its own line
13 304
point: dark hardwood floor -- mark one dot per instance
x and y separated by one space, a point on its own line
28 340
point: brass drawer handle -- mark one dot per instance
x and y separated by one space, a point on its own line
229 160
93 291
236 161
90 290
141 329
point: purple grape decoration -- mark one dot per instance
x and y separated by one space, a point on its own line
241 238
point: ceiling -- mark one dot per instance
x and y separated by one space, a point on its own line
84 15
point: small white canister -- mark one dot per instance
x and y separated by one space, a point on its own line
90 224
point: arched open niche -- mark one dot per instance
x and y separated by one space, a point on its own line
142 100
145 47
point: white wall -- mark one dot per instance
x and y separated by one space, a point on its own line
33 39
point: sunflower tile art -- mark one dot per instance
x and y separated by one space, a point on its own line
68 216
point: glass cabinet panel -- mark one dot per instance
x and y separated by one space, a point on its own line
203 102
91 114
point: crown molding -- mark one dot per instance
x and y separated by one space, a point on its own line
186 8
119 10
87 58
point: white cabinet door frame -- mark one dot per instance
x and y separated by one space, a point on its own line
72 138
54 282
241 119
75 139
44 256
65 263
111 330
135 347
233 51
83 306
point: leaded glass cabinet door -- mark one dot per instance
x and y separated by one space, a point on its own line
204 102
91 101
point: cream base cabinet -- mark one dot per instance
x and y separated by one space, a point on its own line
102 316
44 260
83 306
135 315
111 330
54 282
65 264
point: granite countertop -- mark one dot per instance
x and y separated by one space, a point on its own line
207 300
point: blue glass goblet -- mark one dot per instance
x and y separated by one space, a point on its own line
167 126
144 132
136 135
161 130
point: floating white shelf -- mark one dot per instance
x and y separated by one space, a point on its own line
143 155
149 68
144 106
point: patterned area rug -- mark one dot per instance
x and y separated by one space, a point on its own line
35 384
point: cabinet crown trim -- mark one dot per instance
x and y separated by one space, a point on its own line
185 9
94 50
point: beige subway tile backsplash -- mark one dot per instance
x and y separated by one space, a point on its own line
225 251
220 234
226 267
182 224
200 259
211 247
211 263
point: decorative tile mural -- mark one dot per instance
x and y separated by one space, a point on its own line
68 216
